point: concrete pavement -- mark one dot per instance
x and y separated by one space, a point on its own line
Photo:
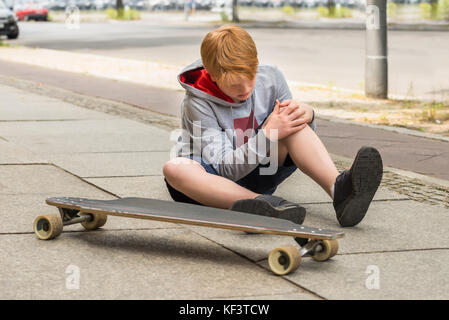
50 147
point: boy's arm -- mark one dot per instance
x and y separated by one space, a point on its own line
285 97
215 146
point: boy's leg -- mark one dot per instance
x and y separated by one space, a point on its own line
189 177
311 157
354 188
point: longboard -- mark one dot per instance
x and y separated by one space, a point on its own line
320 244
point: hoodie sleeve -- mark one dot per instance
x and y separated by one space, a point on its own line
283 93
202 132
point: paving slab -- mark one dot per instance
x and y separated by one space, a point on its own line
54 128
23 190
93 143
144 187
12 153
156 264
388 226
387 275
112 164
16 106
41 179
300 188
58 137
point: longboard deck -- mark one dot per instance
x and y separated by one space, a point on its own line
184 213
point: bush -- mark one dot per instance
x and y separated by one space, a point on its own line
425 10
443 9
334 12
392 9
122 14
288 10
224 16
323 11
435 10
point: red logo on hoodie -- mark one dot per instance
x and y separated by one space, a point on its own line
243 124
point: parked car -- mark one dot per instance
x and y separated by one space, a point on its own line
8 22
32 11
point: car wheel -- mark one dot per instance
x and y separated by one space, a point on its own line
13 35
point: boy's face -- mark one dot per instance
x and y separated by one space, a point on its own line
237 88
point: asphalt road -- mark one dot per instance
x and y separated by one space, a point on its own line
418 63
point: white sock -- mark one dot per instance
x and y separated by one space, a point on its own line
332 191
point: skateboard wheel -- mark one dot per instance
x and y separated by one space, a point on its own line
48 227
329 249
98 220
284 260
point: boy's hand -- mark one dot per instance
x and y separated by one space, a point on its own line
286 120
306 112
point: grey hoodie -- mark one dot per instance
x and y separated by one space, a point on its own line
223 133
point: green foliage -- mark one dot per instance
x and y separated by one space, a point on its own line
435 111
392 9
334 12
437 10
425 9
288 10
122 14
224 16
443 9
4 45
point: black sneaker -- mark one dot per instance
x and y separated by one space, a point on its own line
271 206
354 189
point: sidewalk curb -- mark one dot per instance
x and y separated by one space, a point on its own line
313 25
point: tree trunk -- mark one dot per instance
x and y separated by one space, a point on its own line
235 16
120 8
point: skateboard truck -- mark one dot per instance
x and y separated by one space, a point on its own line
286 259
50 226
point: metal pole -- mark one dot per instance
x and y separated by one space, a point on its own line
186 10
376 60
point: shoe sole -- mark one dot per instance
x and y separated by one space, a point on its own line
366 177
263 208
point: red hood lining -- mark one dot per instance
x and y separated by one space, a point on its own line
201 80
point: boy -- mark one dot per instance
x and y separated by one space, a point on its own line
233 106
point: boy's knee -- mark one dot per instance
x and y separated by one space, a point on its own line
171 168
174 168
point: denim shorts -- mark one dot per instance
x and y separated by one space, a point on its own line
262 184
